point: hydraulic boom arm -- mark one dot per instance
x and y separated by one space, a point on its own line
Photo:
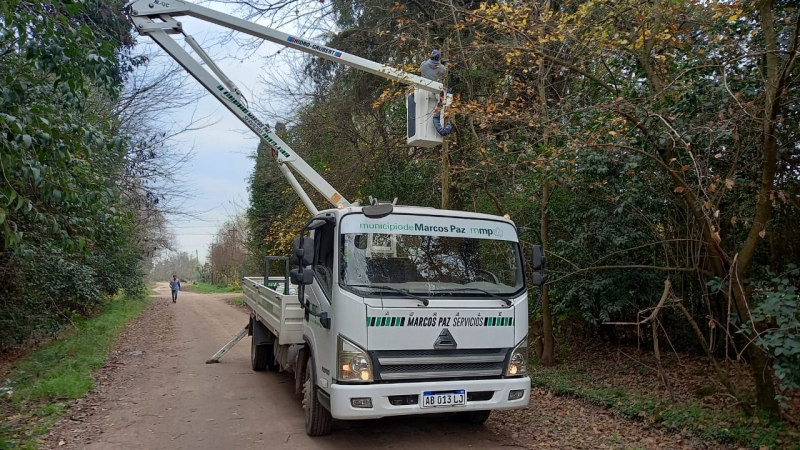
156 18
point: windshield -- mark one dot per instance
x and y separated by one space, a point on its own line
430 265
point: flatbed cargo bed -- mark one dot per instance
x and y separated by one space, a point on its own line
281 313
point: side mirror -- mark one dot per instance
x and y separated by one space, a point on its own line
305 278
303 251
538 279
538 257
360 241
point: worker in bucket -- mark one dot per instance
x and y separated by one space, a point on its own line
175 286
432 68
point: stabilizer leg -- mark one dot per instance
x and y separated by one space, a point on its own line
229 345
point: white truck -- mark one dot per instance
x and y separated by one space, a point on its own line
391 310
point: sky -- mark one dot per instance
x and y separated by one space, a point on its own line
216 176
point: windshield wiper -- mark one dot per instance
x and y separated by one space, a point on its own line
507 301
393 289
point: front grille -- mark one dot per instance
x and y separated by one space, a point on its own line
395 365
439 353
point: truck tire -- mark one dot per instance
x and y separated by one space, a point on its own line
318 419
260 355
473 417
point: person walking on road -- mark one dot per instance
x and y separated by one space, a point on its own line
175 285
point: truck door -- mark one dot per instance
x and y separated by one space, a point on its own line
320 296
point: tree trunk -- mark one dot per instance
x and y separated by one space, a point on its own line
548 350
653 319
762 374
758 359
536 333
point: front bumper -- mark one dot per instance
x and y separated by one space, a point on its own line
497 389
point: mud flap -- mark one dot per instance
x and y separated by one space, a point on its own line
300 370
261 335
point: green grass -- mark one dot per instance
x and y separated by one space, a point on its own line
47 380
238 300
206 288
726 426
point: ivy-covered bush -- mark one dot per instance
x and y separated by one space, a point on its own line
776 321
67 238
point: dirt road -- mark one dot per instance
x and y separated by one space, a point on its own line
156 392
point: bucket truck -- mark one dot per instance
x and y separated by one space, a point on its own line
392 310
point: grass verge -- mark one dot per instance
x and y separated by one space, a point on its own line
725 426
238 300
206 288
43 384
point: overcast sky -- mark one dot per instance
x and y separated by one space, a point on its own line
217 173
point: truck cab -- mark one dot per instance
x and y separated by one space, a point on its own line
413 311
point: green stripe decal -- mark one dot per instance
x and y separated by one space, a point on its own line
397 321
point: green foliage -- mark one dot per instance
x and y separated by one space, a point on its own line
67 238
268 204
206 288
44 382
51 153
776 322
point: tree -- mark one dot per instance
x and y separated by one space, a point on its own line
227 253
60 210
79 199
181 264
647 80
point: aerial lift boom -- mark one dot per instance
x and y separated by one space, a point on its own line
157 19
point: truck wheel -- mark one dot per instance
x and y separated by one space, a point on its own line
318 419
473 417
260 355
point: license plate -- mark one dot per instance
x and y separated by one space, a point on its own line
434 399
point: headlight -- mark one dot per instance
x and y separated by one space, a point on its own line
518 363
354 362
